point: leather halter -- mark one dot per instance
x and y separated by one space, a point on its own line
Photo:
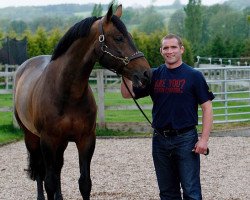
106 49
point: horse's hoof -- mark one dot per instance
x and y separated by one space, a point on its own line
41 198
59 197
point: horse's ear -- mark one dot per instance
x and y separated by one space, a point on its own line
118 11
109 14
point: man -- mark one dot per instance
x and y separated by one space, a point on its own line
176 90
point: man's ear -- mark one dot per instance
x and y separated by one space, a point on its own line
182 49
160 50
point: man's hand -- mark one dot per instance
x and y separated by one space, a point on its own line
124 91
201 147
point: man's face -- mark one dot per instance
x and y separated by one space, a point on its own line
171 51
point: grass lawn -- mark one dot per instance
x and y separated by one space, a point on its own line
8 133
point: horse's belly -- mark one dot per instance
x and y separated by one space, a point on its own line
23 104
24 88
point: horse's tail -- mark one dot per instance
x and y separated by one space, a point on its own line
36 167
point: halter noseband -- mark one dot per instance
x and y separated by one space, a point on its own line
109 51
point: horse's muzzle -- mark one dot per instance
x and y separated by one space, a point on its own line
142 79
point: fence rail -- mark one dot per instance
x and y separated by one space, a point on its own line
230 84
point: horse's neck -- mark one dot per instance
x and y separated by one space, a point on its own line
77 64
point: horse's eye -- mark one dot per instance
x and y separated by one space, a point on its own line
119 38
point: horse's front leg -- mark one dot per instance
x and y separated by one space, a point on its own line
86 149
58 194
53 157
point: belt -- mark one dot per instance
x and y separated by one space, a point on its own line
173 132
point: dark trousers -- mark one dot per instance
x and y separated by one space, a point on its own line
177 167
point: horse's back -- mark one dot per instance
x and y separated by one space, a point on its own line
32 66
26 79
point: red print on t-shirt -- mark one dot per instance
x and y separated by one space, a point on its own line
172 86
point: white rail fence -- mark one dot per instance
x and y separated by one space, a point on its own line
230 84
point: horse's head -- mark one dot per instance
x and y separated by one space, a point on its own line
117 51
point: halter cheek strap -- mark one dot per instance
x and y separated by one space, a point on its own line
109 51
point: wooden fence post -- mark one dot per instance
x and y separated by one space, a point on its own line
100 96
6 77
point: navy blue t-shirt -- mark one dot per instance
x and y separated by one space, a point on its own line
176 94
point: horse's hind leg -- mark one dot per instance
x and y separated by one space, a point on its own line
86 149
36 166
53 150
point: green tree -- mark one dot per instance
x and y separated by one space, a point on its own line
238 49
150 45
152 21
32 48
217 48
153 47
131 16
231 25
97 10
49 23
1 37
246 50
208 16
176 23
188 56
38 43
1 34
4 24
12 34
193 23
41 39
19 26
246 14
54 36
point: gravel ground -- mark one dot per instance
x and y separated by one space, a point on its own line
123 169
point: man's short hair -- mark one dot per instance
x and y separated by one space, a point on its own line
171 36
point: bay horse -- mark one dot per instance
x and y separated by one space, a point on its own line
54 103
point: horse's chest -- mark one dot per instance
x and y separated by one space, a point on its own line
78 121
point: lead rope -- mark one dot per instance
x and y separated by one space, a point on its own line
139 107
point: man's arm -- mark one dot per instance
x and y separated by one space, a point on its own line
125 93
207 122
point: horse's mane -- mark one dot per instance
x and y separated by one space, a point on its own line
82 29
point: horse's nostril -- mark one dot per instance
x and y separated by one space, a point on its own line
136 77
147 74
